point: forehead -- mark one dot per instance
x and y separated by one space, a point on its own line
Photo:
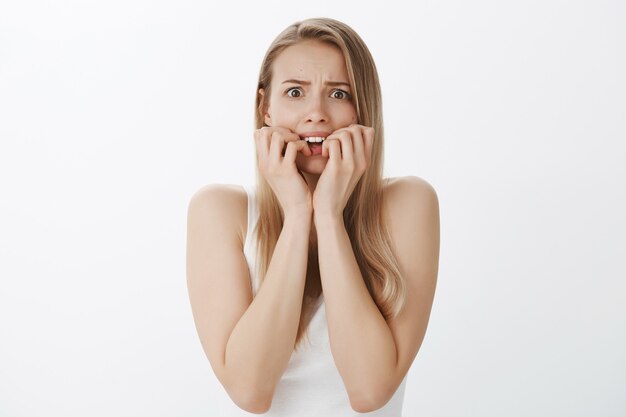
310 58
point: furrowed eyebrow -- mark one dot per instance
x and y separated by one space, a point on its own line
331 83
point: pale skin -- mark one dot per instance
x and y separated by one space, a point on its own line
250 346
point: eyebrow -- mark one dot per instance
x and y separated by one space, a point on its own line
331 83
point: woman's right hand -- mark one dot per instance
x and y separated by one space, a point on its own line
280 171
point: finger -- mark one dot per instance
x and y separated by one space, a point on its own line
277 143
261 142
325 144
293 147
345 140
288 138
368 140
332 150
352 137
359 146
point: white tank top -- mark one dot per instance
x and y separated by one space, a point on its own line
311 385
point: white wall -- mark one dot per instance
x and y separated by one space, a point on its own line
112 114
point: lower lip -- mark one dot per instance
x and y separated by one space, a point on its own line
316 148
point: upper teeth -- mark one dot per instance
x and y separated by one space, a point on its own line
314 139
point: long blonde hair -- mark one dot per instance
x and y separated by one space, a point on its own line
363 220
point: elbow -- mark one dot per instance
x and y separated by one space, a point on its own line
367 403
363 406
249 394
254 406
250 401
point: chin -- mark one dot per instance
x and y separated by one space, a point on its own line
314 165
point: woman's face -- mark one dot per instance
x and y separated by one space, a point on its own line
310 92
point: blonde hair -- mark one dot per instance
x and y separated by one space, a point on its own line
363 220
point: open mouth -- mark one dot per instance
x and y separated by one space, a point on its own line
315 147
314 139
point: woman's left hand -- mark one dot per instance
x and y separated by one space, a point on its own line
349 154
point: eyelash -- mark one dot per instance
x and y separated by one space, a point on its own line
347 95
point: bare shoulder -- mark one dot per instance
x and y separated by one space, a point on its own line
218 278
409 201
413 219
401 193
229 202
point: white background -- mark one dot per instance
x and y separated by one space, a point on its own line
112 114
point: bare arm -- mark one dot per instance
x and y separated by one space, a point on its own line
373 355
261 344
360 340
247 341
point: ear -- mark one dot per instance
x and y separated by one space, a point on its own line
262 103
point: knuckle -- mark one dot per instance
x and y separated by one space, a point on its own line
265 133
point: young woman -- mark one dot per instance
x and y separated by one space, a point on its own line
311 291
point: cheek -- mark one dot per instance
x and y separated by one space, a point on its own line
353 116
345 113
286 112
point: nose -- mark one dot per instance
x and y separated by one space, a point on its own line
316 110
